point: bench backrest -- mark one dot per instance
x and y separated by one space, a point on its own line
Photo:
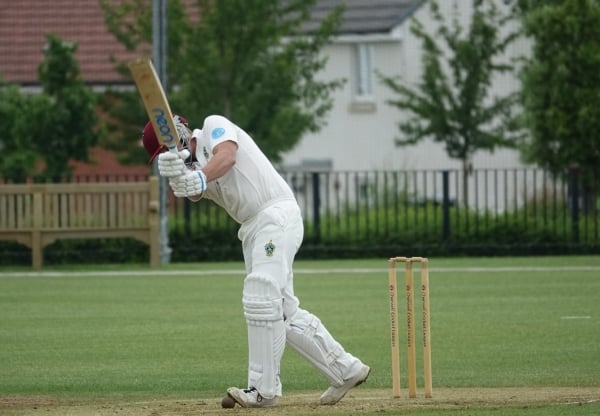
38 214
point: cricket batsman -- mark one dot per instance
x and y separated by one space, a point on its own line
221 162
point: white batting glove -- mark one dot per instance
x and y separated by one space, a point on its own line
177 184
195 182
192 183
171 164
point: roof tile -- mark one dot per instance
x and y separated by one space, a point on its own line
23 28
25 23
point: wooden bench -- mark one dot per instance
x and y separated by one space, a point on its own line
36 215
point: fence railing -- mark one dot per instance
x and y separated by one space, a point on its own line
488 206
358 213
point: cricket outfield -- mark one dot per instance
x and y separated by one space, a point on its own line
509 336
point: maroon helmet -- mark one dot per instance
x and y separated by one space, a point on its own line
150 141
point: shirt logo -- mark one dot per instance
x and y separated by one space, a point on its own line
218 132
269 248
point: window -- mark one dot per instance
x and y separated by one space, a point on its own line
362 100
364 70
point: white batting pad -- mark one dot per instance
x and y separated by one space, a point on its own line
308 336
266 333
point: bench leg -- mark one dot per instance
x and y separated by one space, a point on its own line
37 251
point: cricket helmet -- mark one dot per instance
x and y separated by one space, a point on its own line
150 141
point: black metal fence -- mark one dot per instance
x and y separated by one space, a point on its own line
354 214
488 211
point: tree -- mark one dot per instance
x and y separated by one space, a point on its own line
66 125
18 157
50 128
130 21
561 84
451 103
525 6
245 59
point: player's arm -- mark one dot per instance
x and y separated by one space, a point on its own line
192 184
224 156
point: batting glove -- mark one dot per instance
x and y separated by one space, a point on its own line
171 164
177 184
195 183
192 183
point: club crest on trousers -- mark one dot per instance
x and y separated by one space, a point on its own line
269 248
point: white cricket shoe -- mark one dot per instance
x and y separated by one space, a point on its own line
334 394
250 397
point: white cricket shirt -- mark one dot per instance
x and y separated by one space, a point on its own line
252 184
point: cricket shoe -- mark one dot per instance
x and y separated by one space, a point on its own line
250 397
334 394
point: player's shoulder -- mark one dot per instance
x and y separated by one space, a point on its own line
217 120
218 128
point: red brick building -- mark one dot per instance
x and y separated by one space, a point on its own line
24 25
23 28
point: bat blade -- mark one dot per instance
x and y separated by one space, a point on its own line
155 102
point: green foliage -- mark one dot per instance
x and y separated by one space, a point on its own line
251 75
244 59
452 103
53 127
66 125
206 233
83 251
422 224
217 239
131 23
561 81
400 223
18 157
528 5
79 251
125 115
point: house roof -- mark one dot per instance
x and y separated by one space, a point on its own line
365 16
25 23
23 28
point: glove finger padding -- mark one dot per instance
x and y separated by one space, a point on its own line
192 183
195 182
177 184
170 164
184 154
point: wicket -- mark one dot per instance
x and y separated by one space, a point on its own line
410 325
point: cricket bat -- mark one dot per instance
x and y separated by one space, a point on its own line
155 101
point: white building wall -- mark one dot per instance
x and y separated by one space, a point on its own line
364 140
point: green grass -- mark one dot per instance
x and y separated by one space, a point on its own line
131 331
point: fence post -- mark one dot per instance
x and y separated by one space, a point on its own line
446 205
316 206
37 246
153 220
574 201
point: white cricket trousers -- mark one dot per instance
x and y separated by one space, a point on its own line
270 241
